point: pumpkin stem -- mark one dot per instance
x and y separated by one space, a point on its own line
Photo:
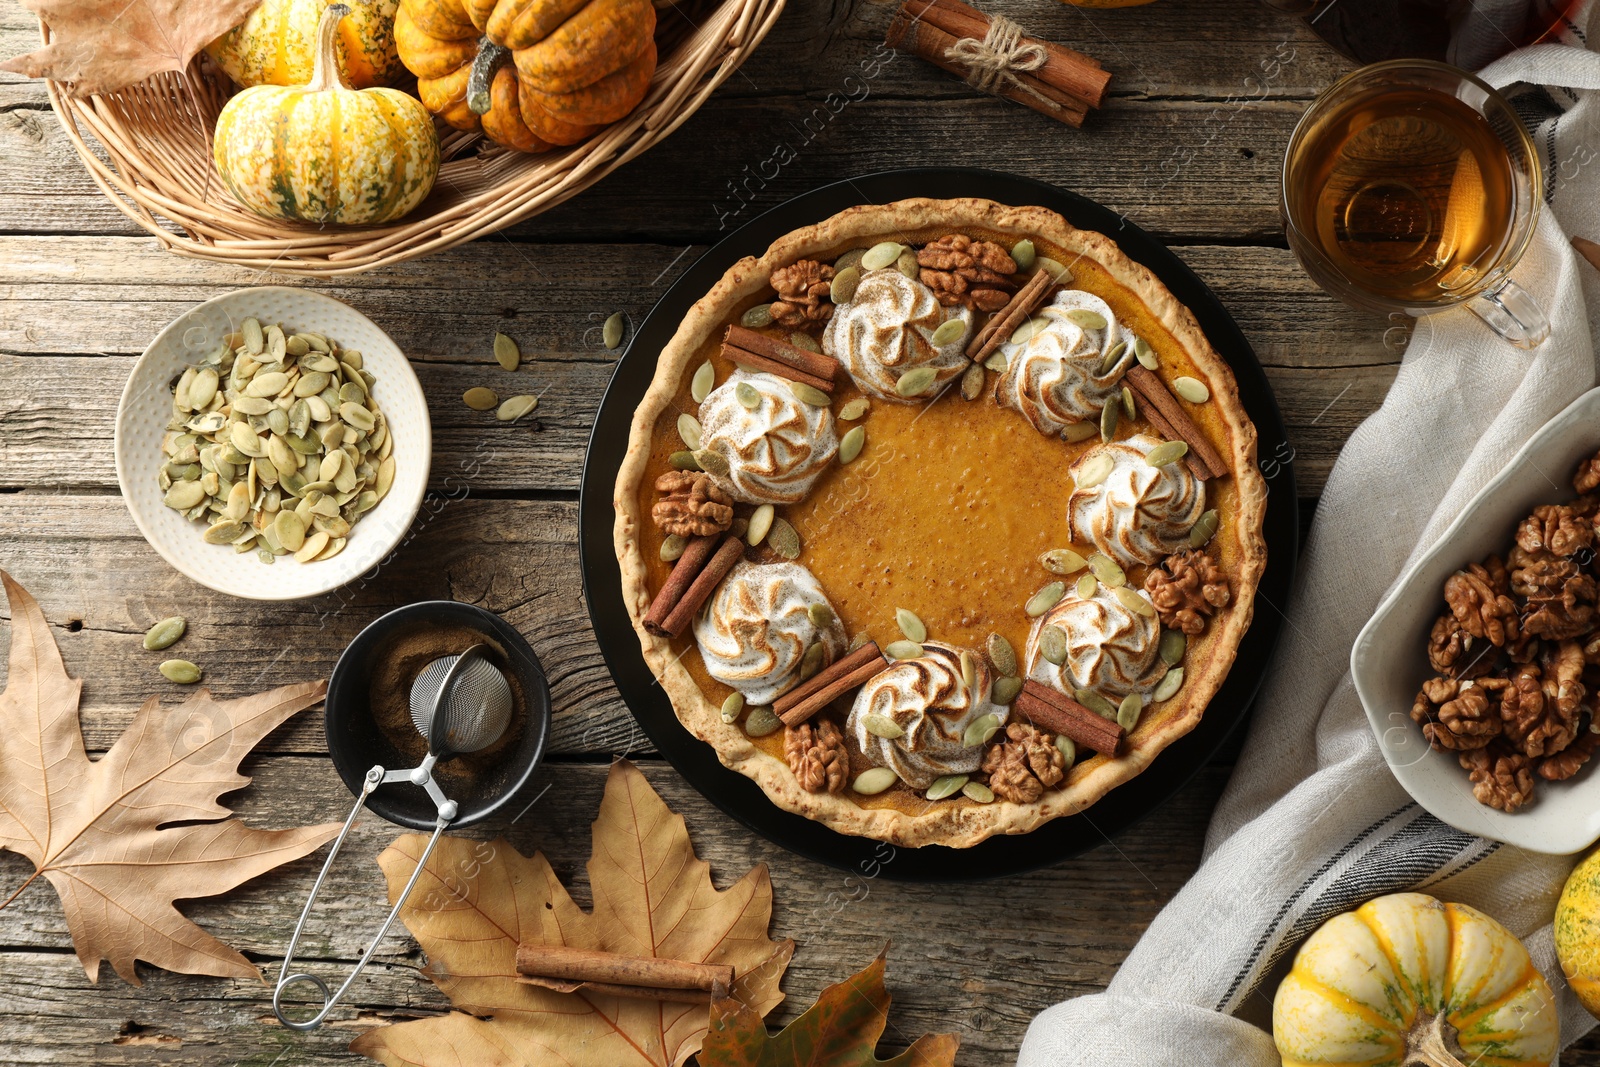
481 77
325 71
1432 1043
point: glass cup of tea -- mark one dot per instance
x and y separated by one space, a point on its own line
1412 186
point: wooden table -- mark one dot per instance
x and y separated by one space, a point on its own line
1189 146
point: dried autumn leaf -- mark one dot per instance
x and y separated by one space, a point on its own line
98 46
99 830
840 1030
652 897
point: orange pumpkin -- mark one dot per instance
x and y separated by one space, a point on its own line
531 74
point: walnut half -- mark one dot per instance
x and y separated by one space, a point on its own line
1479 597
816 754
1189 589
1457 715
1501 778
960 270
691 505
803 293
1025 764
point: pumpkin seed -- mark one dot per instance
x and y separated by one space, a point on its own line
969 670
506 352
222 533
882 726
1204 529
855 409
1026 331
1062 561
760 524
783 539
762 721
1096 703
881 255
978 793
1129 408
179 670
203 389
1105 568
949 332
872 782
254 339
998 361
1169 685
915 381
689 430
1079 431
910 625
757 317
979 730
906 649
906 263
1191 389
165 633
1087 586
804 341
611 332
1109 360
843 286
513 408
946 786
296 345
1093 470
1005 690
810 395
749 396
1023 254
811 662
704 380
1109 416
1045 599
1053 644
683 461
1001 654
972 380
860 640
1089 320
821 616
1173 645
1068 749
733 707
672 547
1057 271
478 398
267 383
852 258
290 530
184 495
266 555
1133 601
1145 354
1166 452
851 444
711 461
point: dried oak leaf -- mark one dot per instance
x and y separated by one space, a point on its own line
98 47
840 1030
102 831
652 897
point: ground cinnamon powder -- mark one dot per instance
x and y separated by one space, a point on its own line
396 666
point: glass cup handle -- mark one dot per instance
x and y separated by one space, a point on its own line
1513 314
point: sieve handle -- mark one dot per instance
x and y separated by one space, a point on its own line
375 777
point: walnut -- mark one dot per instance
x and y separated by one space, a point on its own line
1479 598
1501 778
1536 573
1564 764
1555 528
817 756
1587 478
802 293
960 270
1543 721
1564 609
1190 588
1525 649
1023 766
1454 652
1456 715
691 505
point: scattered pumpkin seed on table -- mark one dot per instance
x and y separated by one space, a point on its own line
479 398
1129 710
916 381
683 460
1166 452
506 352
805 342
949 332
821 616
165 633
1204 529
810 395
180 670
1145 354
972 380
1080 431
1106 569
1173 645
611 332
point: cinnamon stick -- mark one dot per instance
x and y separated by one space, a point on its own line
756 361
684 572
1156 393
571 970
1061 714
704 584
822 688
813 363
921 38
1066 69
1004 324
1159 423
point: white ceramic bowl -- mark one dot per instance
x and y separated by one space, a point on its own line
147 405
1389 660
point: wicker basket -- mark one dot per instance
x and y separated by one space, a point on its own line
157 137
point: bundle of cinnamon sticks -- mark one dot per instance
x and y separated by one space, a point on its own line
695 576
757 351
995 55
1060 714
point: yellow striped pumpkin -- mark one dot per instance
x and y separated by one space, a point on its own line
1578 932
323 152
1406 979
276 44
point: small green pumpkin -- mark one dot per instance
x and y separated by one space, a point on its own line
276 44
323 152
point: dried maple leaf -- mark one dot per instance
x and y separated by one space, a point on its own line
840 1030
652 897
100 46
99 831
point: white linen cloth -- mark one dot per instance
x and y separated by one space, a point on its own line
1312 822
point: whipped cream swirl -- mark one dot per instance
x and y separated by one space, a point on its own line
754 632
886 329
776 451
1139 513
927 699
1110 649
1053 378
